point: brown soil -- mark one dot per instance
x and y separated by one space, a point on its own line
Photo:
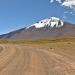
46 59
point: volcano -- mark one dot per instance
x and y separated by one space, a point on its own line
52 27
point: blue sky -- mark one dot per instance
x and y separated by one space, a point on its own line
15 14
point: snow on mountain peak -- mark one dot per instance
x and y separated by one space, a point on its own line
51 22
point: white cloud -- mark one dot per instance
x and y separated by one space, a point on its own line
65 12
51 1
69 12
69 3
72 13
55 0
66 3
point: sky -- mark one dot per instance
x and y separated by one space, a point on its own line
16 14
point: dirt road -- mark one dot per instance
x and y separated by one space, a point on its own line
28 60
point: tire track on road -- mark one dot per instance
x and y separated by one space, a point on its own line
63 64
26 60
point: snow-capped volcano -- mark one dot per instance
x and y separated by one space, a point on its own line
51 22
48 28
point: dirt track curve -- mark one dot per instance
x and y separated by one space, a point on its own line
25 60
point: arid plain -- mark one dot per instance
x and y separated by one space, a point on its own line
38 58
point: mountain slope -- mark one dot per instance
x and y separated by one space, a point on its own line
47 28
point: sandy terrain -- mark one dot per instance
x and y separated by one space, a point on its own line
49 59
